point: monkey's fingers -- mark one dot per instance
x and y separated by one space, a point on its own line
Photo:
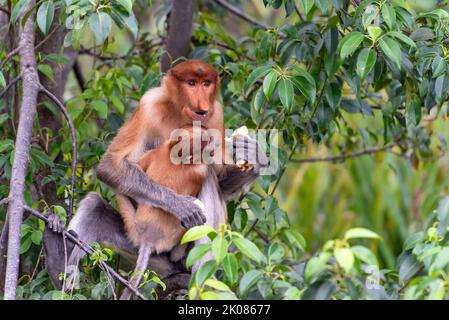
55 223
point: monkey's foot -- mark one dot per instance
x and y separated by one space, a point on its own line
55 223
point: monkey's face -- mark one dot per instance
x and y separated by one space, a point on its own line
197 84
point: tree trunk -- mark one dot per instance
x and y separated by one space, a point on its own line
30 82
179 32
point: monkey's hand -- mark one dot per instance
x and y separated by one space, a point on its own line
248 155
55 223
190 211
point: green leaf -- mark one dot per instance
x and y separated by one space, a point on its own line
307 5
132 25
217 285
269 83
389 15
196 232
365 62
101 107
315 266
391 49
127 4
249 249
344 257
323 5
45 15
219 248
47 71
286 93
256 74
350 43
2 80
118 104
17 10
374 32
249 279
365 255
196 254
205 272
441 87
25 244
36 237
361 233
402 37
100 23
276 251
305 87
369 16
230 267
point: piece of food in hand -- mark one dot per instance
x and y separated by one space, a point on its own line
242 164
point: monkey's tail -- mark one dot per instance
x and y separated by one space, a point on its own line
141 265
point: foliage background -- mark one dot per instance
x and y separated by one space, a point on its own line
363 81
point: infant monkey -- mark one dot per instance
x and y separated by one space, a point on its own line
152 229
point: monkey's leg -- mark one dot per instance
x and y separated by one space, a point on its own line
95 221
141 266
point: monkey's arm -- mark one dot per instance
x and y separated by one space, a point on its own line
233 180
119 170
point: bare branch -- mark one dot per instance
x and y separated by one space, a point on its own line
66 114
9 56
16 50
16 203
10 84
240 14
345 156
89 250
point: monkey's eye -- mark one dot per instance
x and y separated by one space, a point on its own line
207 83
191 83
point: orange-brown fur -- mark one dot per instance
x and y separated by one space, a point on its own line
151 225
162 110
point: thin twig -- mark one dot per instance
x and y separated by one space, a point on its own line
345 156
16 50
10 84
4 201
89 250
9 56
66 114
240 14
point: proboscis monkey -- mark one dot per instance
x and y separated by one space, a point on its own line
187 93
172 165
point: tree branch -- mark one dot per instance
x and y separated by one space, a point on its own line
345 156
9 56
16 50
10 84
16 203
89 250
235 11
66 114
